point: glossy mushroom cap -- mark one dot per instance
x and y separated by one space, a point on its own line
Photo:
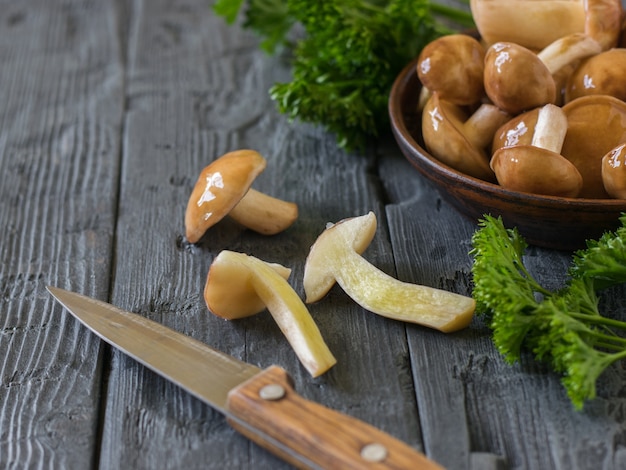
530 23
456 139
614 172
602 74
452 66
219 188
538 167
596 124
516 79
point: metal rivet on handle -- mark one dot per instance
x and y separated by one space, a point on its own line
374 452
272 392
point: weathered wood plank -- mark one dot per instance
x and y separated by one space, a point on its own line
61 105
196 90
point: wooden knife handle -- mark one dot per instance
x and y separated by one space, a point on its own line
267 410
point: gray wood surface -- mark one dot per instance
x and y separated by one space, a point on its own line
109 111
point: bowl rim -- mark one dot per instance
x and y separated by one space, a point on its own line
396 113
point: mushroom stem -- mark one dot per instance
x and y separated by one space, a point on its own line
483 123
335 257
550 129
264 214
256 283
567 50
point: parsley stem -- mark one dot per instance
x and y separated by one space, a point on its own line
598 319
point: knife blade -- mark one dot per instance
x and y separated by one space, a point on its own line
259 403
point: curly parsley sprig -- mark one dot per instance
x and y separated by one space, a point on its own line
345 62
563 328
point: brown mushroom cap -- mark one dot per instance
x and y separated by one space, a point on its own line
229 292
517 131
452 66
603 21
539 168
597 124
219 188
516 79
458 140
614 172
602 74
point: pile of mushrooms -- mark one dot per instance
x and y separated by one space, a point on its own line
239 285
536 104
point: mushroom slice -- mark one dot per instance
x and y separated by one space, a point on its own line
239 285
459 140
335 257
539 168
614 172
225 184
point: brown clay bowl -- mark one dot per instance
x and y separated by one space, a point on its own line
546 221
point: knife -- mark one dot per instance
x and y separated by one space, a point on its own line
259 403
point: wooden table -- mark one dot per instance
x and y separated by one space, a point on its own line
109 111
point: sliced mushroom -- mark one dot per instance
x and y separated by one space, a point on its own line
452 66
602 74
459 140
517 79
614 172
225 184
239 285
596 124
539 168
335 257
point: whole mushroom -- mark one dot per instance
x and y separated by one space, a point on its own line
539 168
459 140
596 124
223 188
453 67
516 79
530 23
601 74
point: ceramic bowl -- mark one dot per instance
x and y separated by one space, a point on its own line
546 221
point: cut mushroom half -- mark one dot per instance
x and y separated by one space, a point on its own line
223 188
336 257
239 285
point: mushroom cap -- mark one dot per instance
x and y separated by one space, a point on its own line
452 66
596 124
614 172
354 233
219 188
530 169
516 79
442 124
602 74
533 23
229 292
517 131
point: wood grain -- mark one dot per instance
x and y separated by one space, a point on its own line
62 104
109 110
